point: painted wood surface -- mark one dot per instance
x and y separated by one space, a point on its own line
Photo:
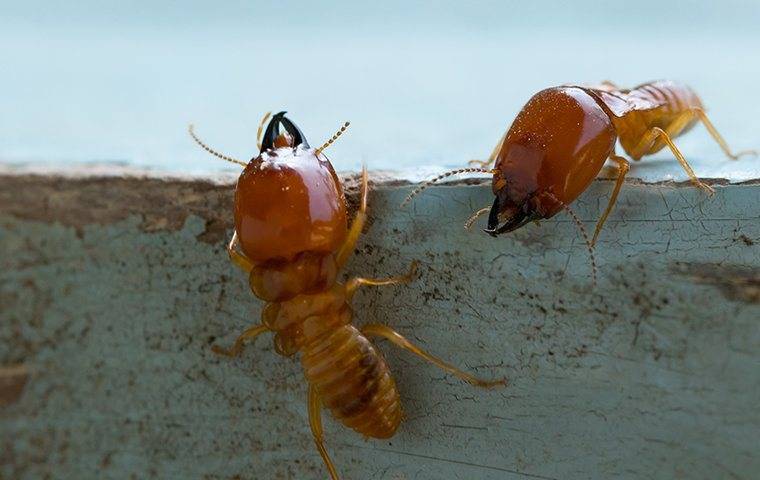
113 290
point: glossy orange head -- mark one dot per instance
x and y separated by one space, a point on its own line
555 148
288 200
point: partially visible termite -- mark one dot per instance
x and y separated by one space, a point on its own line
562 138
291 226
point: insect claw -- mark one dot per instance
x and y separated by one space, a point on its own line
273 131
519 219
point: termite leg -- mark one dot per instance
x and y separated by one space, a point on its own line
682 160
718 138
238 258
492 157
394 337
353 284
651 142
657 133
623 167
356 226
237 347
315 421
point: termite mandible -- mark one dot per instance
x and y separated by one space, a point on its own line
292 238
563 136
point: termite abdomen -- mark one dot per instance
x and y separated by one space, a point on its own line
353 381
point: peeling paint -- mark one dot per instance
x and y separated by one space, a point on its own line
163 204
113 291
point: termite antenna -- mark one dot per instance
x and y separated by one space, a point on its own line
475 216
261 129
425 185
582 229
334 137
191 131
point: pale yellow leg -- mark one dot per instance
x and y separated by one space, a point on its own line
651 142
394 337
657 133
238 258
356 226
237 347
623 167
677 126
682 160
494 154
648 144
357 282
315 421
718 138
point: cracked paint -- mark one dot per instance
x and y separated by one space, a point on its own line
114 289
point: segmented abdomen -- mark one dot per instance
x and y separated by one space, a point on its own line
670 97
658 104
353 381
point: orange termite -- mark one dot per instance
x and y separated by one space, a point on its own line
562 138
292 238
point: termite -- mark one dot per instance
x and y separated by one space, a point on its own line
563 136
292 239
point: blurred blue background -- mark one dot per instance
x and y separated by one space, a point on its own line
423 83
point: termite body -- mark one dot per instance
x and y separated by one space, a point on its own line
561 139
292 239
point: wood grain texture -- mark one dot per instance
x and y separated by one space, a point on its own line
112 311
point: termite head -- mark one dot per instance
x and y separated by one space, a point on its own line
518 200
290 212
555 148
288 199
512 207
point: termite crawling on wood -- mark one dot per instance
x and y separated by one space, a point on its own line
292 238
563 136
